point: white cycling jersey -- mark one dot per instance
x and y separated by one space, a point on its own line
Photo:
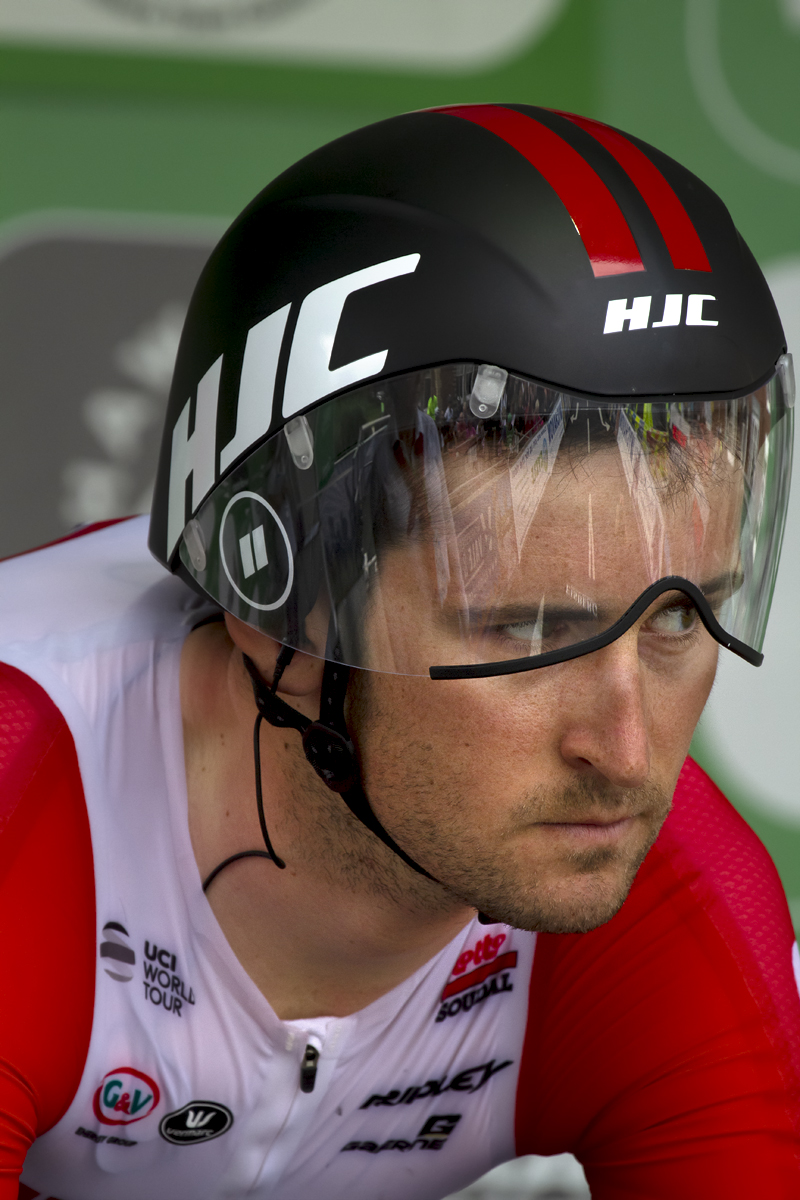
192 1087
662 1049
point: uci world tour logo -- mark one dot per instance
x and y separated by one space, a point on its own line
117 952
124 1096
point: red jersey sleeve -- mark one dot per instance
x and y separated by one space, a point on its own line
47 921
663 1049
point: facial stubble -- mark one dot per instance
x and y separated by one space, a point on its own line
506 874
423 803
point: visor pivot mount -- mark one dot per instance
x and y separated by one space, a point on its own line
331 755
785 367
300 441
487 390
195 544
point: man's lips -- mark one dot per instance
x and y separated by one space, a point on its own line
598 829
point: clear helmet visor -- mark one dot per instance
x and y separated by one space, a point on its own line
464 521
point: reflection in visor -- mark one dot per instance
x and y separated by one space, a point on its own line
414 537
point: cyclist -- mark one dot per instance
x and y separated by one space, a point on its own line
412 706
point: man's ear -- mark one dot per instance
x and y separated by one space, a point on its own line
302 677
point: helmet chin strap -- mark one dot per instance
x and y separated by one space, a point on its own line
327 746
326 742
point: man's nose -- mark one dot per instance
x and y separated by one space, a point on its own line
606 726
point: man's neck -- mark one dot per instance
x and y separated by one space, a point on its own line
343 923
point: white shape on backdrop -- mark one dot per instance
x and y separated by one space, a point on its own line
753 717
442 35
790 10
118 418
559 1175
717 98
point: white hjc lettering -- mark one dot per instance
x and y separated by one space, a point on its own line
308 379
308 376
637 314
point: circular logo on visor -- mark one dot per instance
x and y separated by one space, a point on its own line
255 551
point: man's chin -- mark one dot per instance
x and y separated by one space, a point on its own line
576 904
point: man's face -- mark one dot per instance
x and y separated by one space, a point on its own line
536 796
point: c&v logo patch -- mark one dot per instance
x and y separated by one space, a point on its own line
124 1096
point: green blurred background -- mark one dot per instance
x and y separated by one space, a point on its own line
168 115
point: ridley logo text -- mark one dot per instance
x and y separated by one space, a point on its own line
124 1096
636 315
470 1080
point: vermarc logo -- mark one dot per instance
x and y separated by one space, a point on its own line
198 1121
308 378
636 314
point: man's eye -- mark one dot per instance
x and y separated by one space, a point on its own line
525 631
675 620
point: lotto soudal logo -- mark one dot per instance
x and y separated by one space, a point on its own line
124 1096
432 1136
198 1121
472 1079
118 955
489 977
484 951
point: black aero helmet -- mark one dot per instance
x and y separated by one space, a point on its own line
402 348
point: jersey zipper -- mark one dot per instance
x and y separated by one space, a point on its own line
308 1068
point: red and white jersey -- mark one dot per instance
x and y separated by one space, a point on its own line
138 1059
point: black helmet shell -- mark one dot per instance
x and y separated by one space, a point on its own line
549 245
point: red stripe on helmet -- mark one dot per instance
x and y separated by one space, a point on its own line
595 213
683 242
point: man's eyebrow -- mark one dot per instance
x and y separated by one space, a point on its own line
724 584
728 582
519 614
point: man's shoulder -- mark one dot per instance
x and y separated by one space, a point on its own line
694 978
708 866
712 849
30 725
707 888
102 585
